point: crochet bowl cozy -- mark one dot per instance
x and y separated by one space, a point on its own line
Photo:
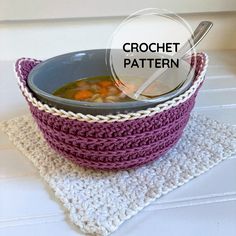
113 141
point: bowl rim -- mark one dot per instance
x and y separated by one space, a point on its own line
71 102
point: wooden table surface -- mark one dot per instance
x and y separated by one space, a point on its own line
205 206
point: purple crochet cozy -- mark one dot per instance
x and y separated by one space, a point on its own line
112 145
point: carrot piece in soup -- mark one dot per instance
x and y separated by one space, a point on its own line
103 92
83 94
105 83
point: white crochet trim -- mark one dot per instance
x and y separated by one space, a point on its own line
112 118
99 201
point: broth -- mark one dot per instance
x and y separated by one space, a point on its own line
93 89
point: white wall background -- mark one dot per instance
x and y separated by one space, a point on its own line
27 28
54 9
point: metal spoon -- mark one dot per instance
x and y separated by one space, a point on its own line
199 33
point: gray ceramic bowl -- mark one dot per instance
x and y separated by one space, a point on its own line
53 73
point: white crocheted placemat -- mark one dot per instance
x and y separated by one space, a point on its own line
97 201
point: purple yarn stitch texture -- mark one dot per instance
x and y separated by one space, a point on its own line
112 145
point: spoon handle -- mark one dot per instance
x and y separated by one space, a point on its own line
198 34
